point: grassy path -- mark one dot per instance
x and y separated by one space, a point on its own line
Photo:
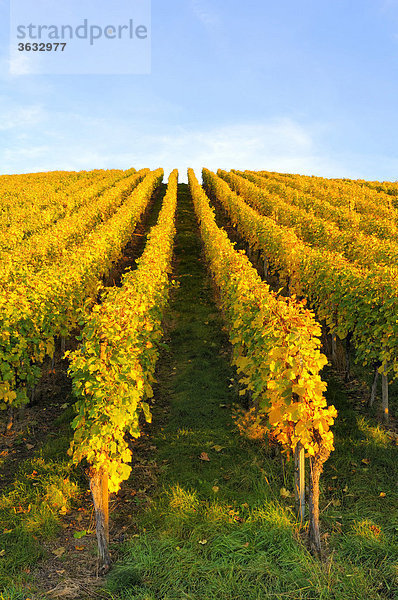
217 527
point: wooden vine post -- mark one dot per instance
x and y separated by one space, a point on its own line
384 392
374 386
313 504
299 481
100 493
347 356
99 490
334 348
316 468
384 387
266 267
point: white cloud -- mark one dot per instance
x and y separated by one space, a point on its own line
21 118
28 153
22 63
212 22
278 145
205 13
282 145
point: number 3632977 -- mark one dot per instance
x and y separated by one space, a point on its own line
42 47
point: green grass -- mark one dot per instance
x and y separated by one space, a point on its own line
13 593
219 529
363 466
29 507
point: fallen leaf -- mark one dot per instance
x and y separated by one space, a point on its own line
79 534
204 456
60 572
284 493
218 448
30 446
382 494
203 542
59 552
63 510
215 488
2 552
366 461
79 547
246 545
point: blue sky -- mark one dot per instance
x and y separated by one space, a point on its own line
295 86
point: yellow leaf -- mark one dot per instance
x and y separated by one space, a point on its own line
284 493
275 415
218 448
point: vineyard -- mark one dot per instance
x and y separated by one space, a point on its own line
198 386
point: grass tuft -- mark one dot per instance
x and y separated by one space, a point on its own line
30 509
